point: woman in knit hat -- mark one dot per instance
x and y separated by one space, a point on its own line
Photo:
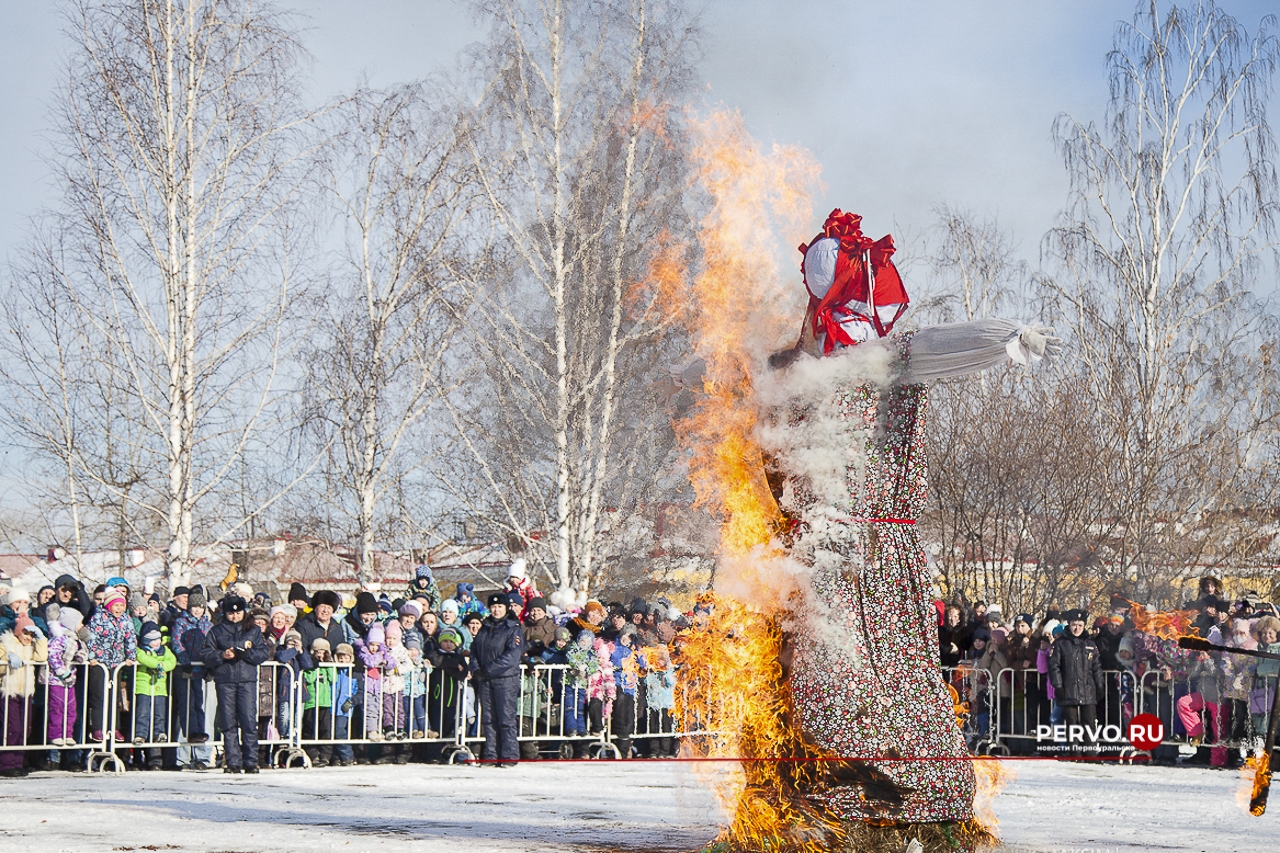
360 618
21 651
590 619
18 605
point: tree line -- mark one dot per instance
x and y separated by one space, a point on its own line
428 313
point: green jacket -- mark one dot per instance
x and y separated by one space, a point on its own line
319 685
152 677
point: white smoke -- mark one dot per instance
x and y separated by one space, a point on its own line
823 453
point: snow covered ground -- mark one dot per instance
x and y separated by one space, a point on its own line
579 807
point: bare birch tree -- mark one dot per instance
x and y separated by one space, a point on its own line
380 357
1009 512
580 164
178 152
1170 220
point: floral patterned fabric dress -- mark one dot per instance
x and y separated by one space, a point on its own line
873 689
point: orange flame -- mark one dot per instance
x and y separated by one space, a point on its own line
1166 624
1255 778
738 309
990 778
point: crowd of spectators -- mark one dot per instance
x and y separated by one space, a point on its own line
398 674
381 678
1021 672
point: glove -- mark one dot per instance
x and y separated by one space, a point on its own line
347 705
15 662
35 629
1034 343
187 669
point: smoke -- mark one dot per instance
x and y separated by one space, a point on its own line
740 307
822 449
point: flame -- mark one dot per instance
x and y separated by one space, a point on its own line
738 308
741 708
1255 778
737 311
990 778
1166 624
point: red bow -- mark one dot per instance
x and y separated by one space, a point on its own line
851 279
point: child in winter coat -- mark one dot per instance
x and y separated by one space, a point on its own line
345 695
318 706
557 655
21 651
660 699
519 582
582 668
373 654
626 679
151 691
151 686
415 684
601 687
1265 672
189 630
467 601
1042 667
111 642
395 709
424 583
445 684
66 652
296 661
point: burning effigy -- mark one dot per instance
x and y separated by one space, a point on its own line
816 667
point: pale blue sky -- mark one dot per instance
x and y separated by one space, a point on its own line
906 104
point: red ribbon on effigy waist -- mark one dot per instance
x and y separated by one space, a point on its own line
795 523
877 520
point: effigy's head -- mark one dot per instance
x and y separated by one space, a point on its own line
855 292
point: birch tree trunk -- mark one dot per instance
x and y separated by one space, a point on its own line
380 363
578 154
181 160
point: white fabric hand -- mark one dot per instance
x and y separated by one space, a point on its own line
1034 343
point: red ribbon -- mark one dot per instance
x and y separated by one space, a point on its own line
851 280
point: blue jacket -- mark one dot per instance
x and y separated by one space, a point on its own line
496 649
298 662
625 674
345 687
472 604
251 652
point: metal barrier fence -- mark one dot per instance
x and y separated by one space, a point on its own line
1198 710
1195 711
1022 707
92 716
399 715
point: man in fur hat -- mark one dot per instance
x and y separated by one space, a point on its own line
322 622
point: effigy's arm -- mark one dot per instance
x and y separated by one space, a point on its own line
960 349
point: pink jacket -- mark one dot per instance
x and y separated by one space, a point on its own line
600 684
